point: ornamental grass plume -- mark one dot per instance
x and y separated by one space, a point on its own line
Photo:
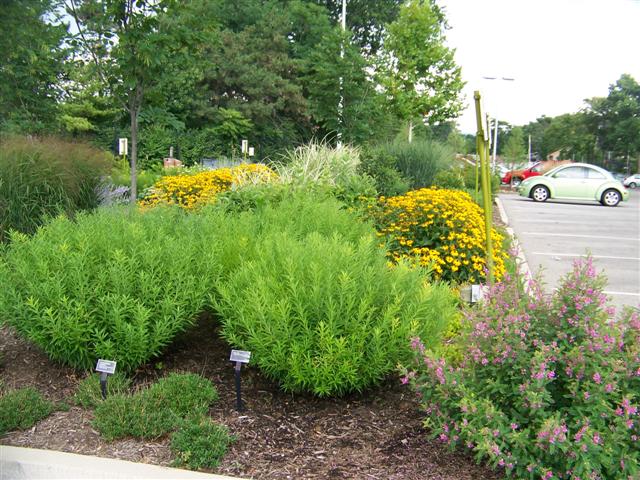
547 386
441 229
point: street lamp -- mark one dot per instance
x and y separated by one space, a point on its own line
495 130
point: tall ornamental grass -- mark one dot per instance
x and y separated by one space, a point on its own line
43 177
115 284
419 161
319 164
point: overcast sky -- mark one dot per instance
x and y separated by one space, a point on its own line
558 52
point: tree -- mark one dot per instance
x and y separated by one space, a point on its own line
32 55
514 150
331 78
416 70
130 42
252 71
366 20
615 120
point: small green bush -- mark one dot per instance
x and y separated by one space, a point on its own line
116 284
420 160
200 444
157 410
89 395
41 178
381 166
23 408
449 179
325 313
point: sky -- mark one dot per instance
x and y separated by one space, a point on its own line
558 52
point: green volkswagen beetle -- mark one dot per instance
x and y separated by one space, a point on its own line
575 181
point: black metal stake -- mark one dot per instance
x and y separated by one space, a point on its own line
238 395
103 384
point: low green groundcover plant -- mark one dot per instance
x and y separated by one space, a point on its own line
116 284
200 444
89 395
23 408
326 314
548 385
157 410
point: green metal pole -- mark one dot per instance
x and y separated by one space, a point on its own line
481 141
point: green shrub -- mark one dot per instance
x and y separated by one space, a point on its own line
116 284
381 166
450 179
40 178
325 313
200 444
420 160
157 410
23 408
548 386
89 395
145 178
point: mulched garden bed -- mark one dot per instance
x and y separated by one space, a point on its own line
376 435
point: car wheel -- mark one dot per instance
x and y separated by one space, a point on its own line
632 185
515 181
539 193
610 198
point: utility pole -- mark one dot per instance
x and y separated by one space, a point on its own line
343 21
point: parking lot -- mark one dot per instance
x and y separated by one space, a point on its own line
553 234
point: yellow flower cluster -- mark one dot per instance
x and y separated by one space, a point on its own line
441 229
194 190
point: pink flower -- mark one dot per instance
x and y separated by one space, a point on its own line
597 378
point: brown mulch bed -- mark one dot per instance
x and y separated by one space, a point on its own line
375 435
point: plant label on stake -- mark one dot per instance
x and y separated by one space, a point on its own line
106 368
240 357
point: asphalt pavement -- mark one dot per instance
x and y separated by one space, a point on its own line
555 233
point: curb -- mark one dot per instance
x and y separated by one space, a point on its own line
18 463
521 261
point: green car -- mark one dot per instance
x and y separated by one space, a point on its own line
575 181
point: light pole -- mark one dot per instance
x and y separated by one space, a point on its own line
343 23
495 132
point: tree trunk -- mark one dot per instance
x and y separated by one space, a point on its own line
410 131
135 103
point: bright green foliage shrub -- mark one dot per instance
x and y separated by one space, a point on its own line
200 444
420 160
40 178
450 179
381 166
23 408
324 313
548 385
117 284
88 394
157 410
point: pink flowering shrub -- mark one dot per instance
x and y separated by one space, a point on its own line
548 386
